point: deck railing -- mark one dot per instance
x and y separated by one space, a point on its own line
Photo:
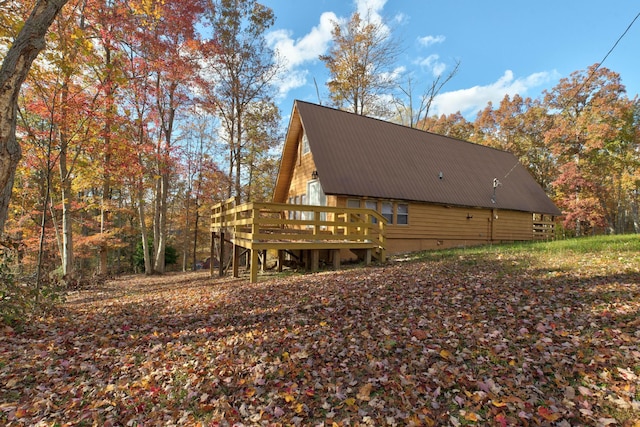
544 227
262 226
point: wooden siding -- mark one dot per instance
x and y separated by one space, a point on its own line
302 170
436 226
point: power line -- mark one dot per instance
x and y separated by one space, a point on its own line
593 72
496 182
617 41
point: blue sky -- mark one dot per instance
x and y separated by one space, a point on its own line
504 47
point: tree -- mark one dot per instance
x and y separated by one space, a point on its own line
56 92
164 49
15 67
589 109
519 125
361 65
106 26
243 68
262 137
412 115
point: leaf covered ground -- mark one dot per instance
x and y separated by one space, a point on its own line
532 335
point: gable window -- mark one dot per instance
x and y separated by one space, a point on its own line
305 144
387 211
402 214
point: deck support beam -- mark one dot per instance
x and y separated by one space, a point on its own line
280 260
211 252
253 268
235 260
315 260
221 258
367 257
335 254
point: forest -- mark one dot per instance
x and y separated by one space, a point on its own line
139 115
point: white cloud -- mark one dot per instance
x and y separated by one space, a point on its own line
433 63
290 80
300 52
373 7
427 41
470 101
307 48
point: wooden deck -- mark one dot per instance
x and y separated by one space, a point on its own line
258 227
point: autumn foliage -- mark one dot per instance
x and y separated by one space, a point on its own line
580 142
501 337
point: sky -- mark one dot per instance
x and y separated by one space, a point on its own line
505 47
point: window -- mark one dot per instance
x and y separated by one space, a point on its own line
305 215
387 211
402 214
316 196
372 204
353 203
291 211
305 144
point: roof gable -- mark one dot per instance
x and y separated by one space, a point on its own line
361 156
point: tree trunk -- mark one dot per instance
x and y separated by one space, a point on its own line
159 263
185 247
195 237
14 70
635 212
106 177
67 230
148 265
65 184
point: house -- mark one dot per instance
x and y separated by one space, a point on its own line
434 191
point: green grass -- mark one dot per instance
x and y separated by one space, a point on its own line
620 252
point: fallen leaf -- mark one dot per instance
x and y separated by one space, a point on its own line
547 414
364 392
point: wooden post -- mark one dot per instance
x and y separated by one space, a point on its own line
383 242
212 252
280 260
254 266
336 259
235 261
221 259
315 260
367 257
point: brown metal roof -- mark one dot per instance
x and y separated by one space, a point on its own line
361 156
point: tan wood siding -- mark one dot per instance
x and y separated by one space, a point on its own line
437 226
514 226
302 170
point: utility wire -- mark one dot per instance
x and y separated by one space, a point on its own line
495 181
603 59
618 41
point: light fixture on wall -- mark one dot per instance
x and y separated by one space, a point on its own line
314 174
